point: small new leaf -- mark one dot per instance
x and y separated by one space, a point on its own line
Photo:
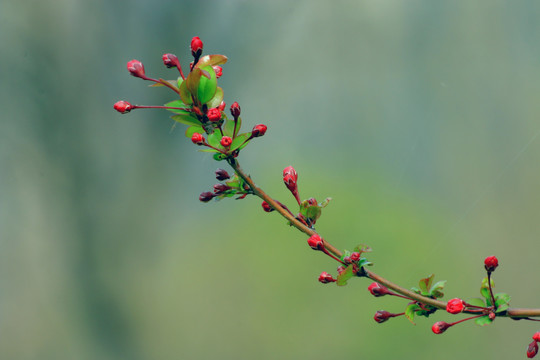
484 320
410 311
502 302
345 276
425 284
436 289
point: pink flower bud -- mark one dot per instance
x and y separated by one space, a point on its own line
196 46
454 306
235 110
536 336
266 207
123 107
355 256
226 141
377 289
206 196
532 350
382 316
440 326
136 68
197 139
222 174
213 114
170 60
315 242
326 278
341 269
491 263
218 70
258 130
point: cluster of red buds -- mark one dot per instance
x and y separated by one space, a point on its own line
199 103
228 187
484 310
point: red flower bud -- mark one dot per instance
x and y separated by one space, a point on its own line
382 315
226 141
536 336
206 196
454 306
377 289
532 350
290 177
341 269
347 260
220 188
197 139
170 60
123 107
326 278
218 70
222 174
258 130
440 326
315 242
221 106
355 256
196 47
235 110
491 263
213 114
136 68
266 207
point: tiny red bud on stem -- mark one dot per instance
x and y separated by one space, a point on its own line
213 114
222 174
536 336
440 326
206 196
316 242
226 141
196 47
454 306
266 207
123 107
326 278
258 130
377 289
218 70
136 68
197 139
491 263
235 110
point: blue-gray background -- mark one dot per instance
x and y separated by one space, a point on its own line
419 118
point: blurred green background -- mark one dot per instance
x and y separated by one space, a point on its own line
419 118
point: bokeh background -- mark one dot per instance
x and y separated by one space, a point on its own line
419 118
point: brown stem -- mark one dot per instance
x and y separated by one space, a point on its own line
513 313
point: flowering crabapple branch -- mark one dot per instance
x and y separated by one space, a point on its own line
199 104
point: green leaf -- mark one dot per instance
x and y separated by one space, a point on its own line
502 302
185 95
239 140
477 302
361 248
436 289
211 60
209 151
214 139
228 128
425 284
194 129
416 290
219 157
238 125
187 119
178 103
364 262
410 311
484 320
207 87
217 99
484 290
345 275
